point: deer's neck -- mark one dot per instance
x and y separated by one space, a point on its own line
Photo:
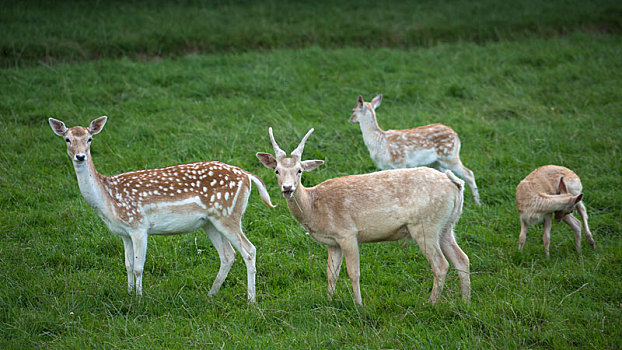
372 134
300 206
89 181
549 203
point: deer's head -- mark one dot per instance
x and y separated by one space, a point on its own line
365 109
288 171
572 200
78 138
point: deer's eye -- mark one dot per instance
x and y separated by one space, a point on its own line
276 172
67 140
299 171
89 140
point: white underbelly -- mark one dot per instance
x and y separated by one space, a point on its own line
410 159
420 158
175 223
174 218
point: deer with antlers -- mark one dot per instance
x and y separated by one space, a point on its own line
420 203
172 200
547 191
434 145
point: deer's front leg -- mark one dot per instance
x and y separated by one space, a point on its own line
523 234
139 241
129 262
335 258
546 238
350 248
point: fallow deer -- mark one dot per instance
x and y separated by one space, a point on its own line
434 145
343 212
549 190
172 200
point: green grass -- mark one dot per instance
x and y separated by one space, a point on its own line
48 32
516 105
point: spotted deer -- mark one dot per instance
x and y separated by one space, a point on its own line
420 203
172 200
547 191
434 145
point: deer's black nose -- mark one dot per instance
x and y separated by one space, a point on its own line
80 157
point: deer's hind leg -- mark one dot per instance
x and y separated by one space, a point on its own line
583 214
428 241
460 261
575 224
225 253
231 229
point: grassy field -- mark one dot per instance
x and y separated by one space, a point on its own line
44 31
517 104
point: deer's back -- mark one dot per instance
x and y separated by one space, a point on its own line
439 140
204 184
378 206
411 191
545 180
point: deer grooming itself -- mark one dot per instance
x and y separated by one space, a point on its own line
434 145
420 203
549 190
172 200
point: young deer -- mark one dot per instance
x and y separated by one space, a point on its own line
549 190
343 212
434 145
171 200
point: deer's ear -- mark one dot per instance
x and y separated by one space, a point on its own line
97 125
309 165
58 127
360 101
267 160
376 101
561 188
